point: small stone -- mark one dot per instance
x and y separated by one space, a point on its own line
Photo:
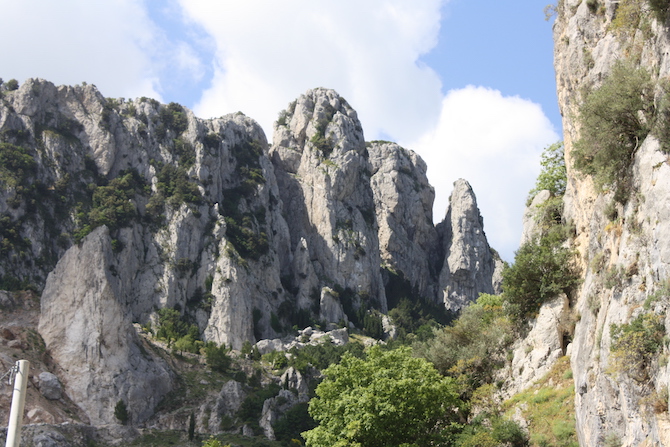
50 386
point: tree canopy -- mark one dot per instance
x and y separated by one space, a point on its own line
388 399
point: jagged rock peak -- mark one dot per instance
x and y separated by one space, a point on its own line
470 265
320 121
404 207
318 140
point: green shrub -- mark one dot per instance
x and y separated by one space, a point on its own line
16 165
319 140
553 175
635 344
112 204
174 184
11 85
628 16
614 119
276 359
217 358
171 326
121 412
185 151
295 421
252 407
474 346
541 271
173 117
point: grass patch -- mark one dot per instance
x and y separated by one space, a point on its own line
549 407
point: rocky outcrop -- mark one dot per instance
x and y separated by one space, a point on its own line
323 173
403 198
50 386
131 206
86 327
622 246
531 228
470 266
547 340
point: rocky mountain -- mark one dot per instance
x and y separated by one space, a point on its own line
115 211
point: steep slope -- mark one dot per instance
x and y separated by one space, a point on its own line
621 229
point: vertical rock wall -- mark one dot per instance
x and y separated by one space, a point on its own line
624 260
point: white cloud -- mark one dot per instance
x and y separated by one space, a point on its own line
70 41
494 142
268 53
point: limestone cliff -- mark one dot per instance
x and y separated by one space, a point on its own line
116 209
622 244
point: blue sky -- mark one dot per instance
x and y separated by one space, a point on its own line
468 84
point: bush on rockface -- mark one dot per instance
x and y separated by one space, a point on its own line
473 346
635 344
614 120
121 412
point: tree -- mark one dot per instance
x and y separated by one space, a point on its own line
217 358
388 399
541 271
553 175
191 426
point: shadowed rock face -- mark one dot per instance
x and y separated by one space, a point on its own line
130 206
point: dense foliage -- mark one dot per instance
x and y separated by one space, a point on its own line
541 271
388 399
16 165
474 346
635 344
614 120
553 175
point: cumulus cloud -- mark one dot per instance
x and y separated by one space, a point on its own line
268 53
494 142
70 41
115 45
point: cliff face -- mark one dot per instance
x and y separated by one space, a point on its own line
622 245
116 209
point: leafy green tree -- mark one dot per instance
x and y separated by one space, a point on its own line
553 175
388 399
541 271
